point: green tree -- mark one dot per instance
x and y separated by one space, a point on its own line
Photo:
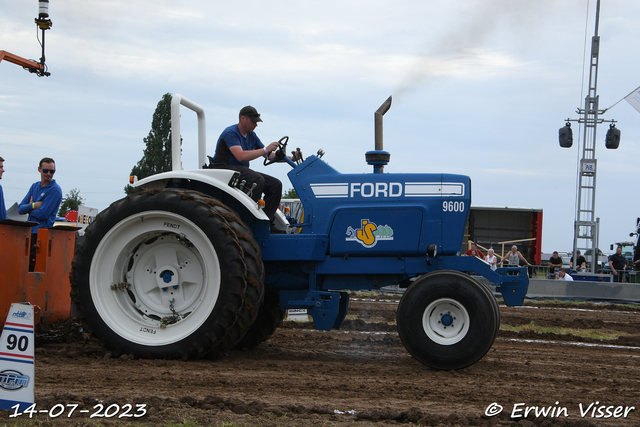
156 156
71 202
290 194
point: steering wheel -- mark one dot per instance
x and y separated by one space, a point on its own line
280 152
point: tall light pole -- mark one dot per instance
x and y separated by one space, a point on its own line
586 226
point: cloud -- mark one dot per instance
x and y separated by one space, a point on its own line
480 87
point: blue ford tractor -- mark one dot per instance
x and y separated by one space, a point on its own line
187 266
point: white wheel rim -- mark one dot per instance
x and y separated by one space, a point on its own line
168 262
445 321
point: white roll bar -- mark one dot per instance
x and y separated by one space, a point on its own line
176 152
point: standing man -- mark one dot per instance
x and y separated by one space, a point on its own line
237 146
618 264
42 202
3 209
513 258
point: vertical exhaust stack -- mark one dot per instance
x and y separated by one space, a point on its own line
378 158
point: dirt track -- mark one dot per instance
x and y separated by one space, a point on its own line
359 375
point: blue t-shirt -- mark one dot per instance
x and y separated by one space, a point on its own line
50 195
3 209
228 138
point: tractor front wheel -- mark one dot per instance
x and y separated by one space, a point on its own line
446 320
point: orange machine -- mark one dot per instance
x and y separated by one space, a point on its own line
18 60
48 287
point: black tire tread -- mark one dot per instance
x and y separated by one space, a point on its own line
479 303
254 293
270 317
193 205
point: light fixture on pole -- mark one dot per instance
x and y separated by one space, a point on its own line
44 23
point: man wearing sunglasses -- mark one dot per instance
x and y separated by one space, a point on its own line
43 199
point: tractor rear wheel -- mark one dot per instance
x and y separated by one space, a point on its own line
446 320
270 316
254 293
160 274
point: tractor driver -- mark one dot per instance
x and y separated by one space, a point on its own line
237 146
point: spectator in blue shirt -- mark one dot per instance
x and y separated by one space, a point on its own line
42 201
3 209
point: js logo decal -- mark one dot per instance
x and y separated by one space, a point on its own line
369 233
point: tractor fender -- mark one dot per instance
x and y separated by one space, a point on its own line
217 178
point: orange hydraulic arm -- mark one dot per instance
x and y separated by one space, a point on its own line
18 60
44 23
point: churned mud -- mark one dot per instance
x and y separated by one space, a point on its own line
360 375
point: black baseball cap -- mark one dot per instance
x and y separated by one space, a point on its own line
252 113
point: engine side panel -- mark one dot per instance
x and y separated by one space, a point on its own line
417 209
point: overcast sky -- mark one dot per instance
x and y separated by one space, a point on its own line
480 87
